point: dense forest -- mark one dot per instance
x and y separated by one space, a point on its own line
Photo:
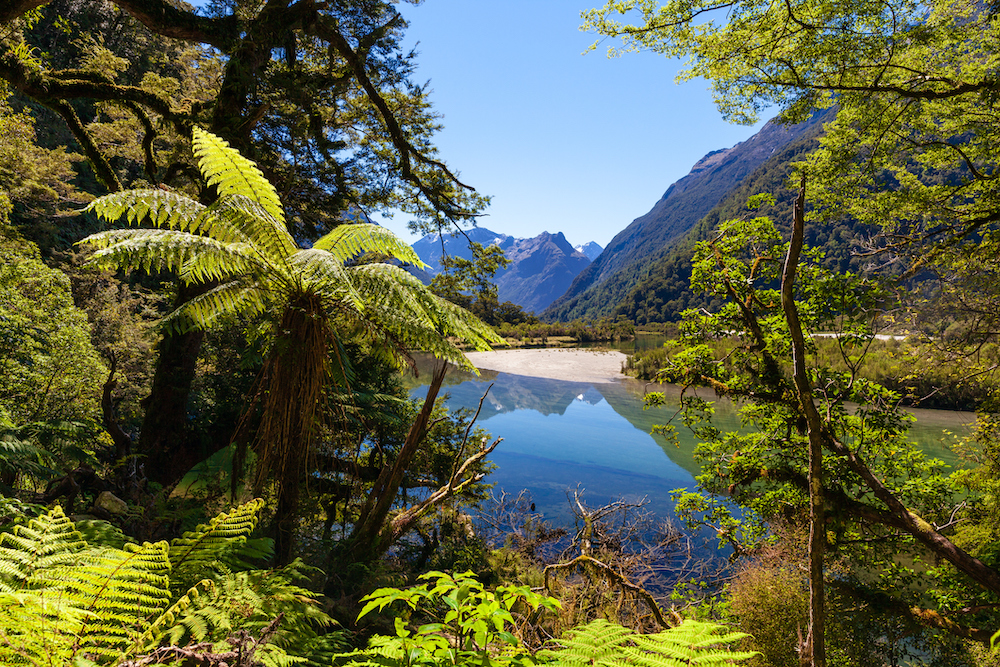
208 455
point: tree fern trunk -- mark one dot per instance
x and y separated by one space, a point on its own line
295 374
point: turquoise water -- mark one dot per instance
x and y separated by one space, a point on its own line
562 436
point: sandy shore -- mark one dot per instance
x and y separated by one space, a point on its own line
572 365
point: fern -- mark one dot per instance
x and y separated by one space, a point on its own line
198 553
233 174
71 599
49 541
64 602
610 645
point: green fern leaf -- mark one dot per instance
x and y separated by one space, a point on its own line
610 645
233 174
161 208
49 541
346 242
198 552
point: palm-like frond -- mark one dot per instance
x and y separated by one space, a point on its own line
242 296
253 222
403 308
324 274
162 208
199 258
233 174
348 241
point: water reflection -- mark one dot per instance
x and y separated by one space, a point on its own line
560 436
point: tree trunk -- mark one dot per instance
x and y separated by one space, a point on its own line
369 537
815 640
166 441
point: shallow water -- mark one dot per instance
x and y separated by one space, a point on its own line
561 436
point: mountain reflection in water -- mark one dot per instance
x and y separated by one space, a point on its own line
561 436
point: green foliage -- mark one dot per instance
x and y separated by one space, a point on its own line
213 545
48 368
241 242
66 601
610 645
473 627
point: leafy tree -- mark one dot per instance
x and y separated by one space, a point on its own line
315 298
318 94
864 486
48 368
911 82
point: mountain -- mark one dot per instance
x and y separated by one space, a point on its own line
661 292
626 259
541 270
591 250
430 249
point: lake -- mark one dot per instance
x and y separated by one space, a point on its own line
560 436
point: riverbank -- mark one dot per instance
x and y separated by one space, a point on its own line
569 364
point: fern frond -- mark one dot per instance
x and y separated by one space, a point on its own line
610 645
161 208
49 541
325 274
233 174
241 216
163 625
38 629
237 296
199 258
346 242
197 552
120 589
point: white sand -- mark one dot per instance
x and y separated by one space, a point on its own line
573 365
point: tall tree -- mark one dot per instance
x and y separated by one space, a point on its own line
915 142
314 297
317 94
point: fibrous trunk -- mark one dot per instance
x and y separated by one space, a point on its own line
292 386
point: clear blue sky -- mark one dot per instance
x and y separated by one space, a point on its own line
581 144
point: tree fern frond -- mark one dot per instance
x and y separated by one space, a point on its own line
200 257
49 541
162 208
243 215
197 552
346 242
324 273
233 174
237 296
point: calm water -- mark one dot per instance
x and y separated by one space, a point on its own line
560 436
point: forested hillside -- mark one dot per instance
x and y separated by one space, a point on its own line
601 286
661 290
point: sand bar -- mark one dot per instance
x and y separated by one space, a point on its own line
569 364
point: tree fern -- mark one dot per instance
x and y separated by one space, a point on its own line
315 296
610 645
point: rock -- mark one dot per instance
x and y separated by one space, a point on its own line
111 503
